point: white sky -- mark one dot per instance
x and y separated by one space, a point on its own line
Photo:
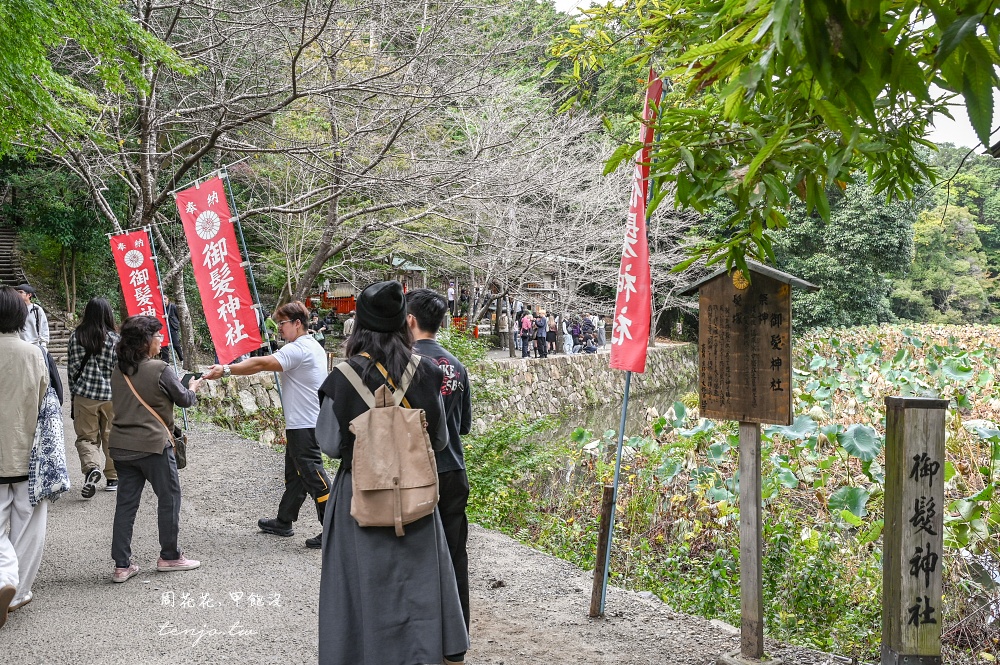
958 131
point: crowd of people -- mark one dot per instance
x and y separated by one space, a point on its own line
124 397
538 333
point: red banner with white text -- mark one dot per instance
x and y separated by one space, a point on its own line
137 272
218 269
633 305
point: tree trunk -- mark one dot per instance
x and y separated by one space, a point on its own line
187 323
62 268
72 264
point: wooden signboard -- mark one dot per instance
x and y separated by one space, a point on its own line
913 547
745 350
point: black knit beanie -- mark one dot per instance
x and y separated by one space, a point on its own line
382 307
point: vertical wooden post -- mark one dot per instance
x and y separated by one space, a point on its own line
751 544
603 533
914 530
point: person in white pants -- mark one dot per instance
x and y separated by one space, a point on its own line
21 550
27 379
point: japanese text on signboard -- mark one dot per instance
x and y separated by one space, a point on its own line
745 350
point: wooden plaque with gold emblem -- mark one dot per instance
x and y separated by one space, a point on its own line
745 350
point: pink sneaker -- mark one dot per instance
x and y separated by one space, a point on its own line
183 563
125 574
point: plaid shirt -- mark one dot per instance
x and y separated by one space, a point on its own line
95 379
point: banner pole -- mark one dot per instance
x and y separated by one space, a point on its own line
614 500
224 176
159 279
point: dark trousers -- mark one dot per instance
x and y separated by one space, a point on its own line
165 353
304 475
161 472
525 346
453 488
542 347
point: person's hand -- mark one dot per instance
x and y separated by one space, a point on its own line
194 383
213 372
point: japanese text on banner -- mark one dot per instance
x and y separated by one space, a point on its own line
218 270
137 273
633 306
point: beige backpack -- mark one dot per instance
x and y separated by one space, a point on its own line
394 473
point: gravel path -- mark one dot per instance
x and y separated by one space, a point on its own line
254 599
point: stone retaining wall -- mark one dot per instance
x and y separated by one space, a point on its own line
527 387
549 386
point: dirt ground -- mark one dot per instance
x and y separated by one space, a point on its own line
254 599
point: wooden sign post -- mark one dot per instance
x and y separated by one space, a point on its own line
745 374
914 530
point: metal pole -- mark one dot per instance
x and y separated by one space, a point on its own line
159 280
596 593
224 176
614 504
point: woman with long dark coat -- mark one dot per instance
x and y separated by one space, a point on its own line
384 599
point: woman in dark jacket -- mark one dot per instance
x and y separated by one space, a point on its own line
145 391
383 598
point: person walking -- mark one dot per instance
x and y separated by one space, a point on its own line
36 324
527 328
503 330
541 334
384 598
349 324
144 392
317 328
567 336
174 330
601 331
302 363
22 526
425 313
91 361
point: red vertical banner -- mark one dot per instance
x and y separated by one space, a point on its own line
633 307
137 273
218 269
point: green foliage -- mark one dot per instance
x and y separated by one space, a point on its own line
823 485
40 41
59 232
854 93
948 280
463 345
852 258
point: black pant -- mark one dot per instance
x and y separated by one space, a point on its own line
453 489
525 346
542 346
304 475
161 472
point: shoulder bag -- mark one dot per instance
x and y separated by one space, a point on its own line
178 437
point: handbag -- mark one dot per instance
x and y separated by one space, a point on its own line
178 437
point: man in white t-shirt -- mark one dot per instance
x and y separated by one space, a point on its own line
451 298
302 363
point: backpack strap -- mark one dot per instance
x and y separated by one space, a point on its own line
359 385
83 366
408 374
399 393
